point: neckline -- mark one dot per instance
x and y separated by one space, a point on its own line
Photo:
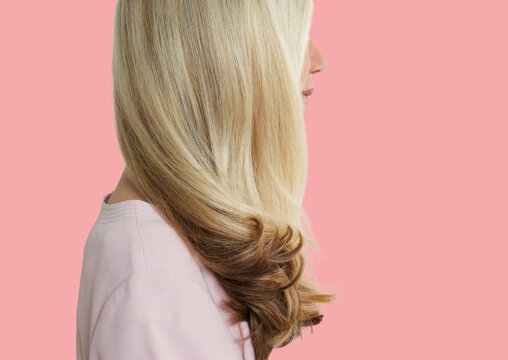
126 209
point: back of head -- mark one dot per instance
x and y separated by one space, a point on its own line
209 119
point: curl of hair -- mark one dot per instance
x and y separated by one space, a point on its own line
209 119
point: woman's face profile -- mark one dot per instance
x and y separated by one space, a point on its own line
314 63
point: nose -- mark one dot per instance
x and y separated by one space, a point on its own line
317 60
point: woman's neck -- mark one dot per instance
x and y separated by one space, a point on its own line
125 190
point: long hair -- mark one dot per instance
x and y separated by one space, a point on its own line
209 120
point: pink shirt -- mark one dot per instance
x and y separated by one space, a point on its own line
142 294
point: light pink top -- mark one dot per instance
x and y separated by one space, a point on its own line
142 294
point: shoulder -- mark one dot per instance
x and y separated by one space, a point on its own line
116 250
128 252
134 243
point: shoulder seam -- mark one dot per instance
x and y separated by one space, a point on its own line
128 277
140 238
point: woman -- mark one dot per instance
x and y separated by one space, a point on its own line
198 252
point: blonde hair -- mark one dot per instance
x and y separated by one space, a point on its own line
209 120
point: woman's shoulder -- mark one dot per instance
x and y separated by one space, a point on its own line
131 236
128 243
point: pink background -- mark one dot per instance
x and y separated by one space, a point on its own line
407 188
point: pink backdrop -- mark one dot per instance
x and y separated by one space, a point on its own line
407 188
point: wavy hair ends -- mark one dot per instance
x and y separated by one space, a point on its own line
209 119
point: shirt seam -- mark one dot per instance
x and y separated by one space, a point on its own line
127 278
140 238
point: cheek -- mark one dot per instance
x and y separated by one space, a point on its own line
306 68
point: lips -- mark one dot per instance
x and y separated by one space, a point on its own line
308 92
